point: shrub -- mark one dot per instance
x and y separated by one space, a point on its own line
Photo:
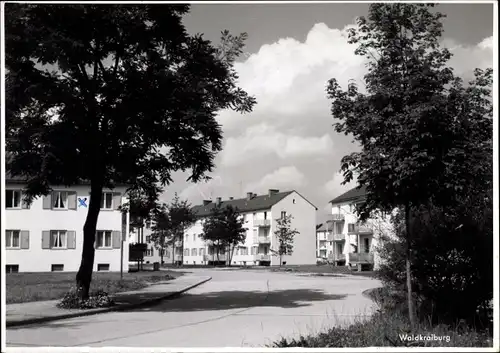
97 299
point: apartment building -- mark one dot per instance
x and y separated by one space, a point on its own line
48 234
260 213
349 242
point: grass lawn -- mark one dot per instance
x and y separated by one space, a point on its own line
35 286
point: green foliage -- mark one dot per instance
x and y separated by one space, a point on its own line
284 235
415 120
225 228
98 299
452 262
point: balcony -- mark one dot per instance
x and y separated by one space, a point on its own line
214 257
338 217
366 258
336 237
262 223
262 257
262 239
361 230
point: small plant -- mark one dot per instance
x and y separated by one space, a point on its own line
97 299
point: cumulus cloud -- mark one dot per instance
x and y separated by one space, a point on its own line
291 125
262 140
284 178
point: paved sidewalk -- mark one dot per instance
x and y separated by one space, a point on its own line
43 311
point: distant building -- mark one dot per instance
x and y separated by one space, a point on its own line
260 213
48 235
349 242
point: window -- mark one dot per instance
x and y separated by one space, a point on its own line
148 239
254 250
57 267
367 245
283 214
13 199
12 268
103 239
186 252
149 252
107 201
102 267
58 239
186 237
350 227
243 250
60 200
265 215
293 201
148 224
193 252
211 250
202 252
12 239
339 227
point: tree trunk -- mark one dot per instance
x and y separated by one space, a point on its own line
84 274
411 313
182 248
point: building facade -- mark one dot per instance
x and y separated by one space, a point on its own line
349 242
153 254
260 213
48 234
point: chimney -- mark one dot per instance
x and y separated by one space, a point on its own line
206 202
273 191
230 198
254 195
218 201
249 195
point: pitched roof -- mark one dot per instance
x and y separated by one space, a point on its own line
257 203
354 194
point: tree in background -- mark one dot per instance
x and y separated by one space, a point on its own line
424 136
224 228
284 235
113 94
181 217
162 234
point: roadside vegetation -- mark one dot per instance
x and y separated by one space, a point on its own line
426 145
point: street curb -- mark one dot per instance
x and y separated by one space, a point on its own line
123 307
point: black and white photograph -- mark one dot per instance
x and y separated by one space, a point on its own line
249 175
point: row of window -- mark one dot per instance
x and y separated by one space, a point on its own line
242 250
61 200
60 239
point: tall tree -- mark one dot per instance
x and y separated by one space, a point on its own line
113 94
410 121
181 216
225 229
284 235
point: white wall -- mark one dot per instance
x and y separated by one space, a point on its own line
36 219
304 220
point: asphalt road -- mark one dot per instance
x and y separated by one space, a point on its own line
237 308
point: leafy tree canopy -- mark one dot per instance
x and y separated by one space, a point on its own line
424 134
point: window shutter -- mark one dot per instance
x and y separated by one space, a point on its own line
45 239
116 241
117 200
71 241
25 239
72 200
47 202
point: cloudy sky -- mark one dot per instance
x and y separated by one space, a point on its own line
288 142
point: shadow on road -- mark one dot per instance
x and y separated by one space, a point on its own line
292 298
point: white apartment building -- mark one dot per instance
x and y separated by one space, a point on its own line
260 213
48 235
348 242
